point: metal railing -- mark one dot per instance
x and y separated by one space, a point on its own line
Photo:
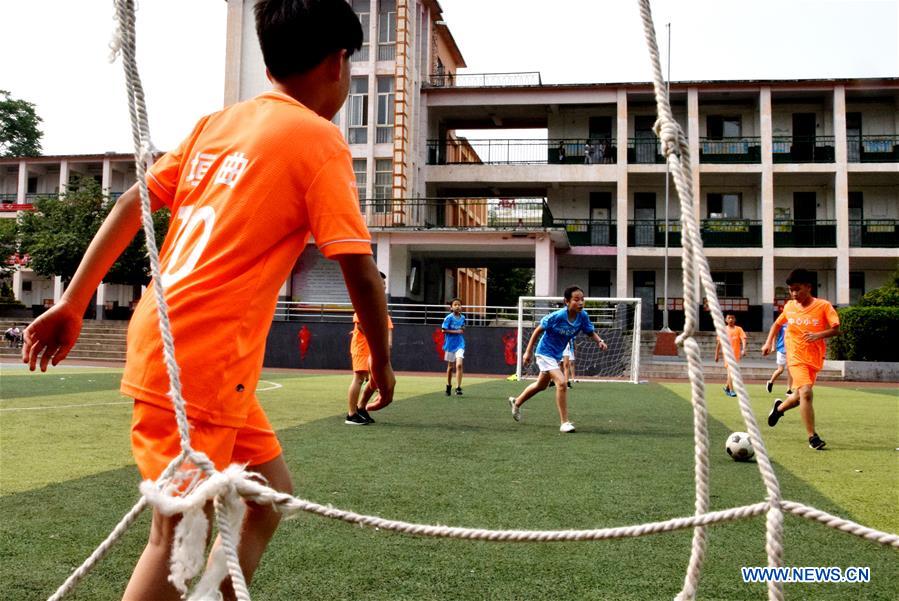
737 233
651 232
457 213
386 51
730 150
801 233
521 152
644 151
485 80
873 148
400 313
874 233
803 149
8 197
589 232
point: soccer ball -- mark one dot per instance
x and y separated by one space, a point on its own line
739 446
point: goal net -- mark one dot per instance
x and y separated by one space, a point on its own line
617 321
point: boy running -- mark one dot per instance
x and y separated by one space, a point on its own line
737 338
246 190
454 345
780 345
555 331
357 412
811 320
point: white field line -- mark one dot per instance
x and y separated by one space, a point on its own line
271 386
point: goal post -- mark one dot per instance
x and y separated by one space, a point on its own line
617 321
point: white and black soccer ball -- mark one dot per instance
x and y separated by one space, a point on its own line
739 446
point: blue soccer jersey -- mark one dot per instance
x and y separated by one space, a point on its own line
558 332
453 342
781 347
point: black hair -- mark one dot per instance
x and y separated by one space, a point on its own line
730 313
570 291
454 299
800 276
297 35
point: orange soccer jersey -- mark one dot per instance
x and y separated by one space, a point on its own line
246 190
359 351
818 316
736 336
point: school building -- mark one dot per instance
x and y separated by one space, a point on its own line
788 174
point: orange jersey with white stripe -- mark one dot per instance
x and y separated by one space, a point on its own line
246 190
818 316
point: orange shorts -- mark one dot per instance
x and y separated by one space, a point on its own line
361 361
803 375
155 440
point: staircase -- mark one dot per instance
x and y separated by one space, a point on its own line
752 367
99 341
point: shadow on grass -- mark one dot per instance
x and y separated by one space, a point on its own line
468 464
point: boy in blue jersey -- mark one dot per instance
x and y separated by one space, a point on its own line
781 362
454 345
555 331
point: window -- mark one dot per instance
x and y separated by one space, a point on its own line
383 183
26 285
359 168
725 205
723 126
599 284
856 286
386 30
357 112
728 283
362 7
384 121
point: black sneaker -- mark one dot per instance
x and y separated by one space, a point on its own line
449 390
364 415
355 420
569 384
789 391
552 383
775 415
458 392
815 442
769 387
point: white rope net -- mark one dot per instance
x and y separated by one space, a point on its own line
186 492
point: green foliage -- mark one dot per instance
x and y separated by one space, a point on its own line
8 245
20 135
57 233
885 296
864 334
504 286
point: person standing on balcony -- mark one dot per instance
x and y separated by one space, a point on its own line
454 345
811 321
737 338
588 153
357 404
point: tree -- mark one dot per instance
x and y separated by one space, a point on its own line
20 135
56 234
8 246
504 286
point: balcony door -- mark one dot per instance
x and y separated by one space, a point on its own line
856 215
644 218
854 137
805 213
803 136
645 290
600 218
645 139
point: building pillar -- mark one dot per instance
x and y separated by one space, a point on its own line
22 185
58 288
545 267
621 202
17 283
101 301
106 178
63 176
767 207
693 141
841 194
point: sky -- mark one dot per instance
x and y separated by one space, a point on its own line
55 52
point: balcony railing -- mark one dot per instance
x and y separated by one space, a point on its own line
803 149
733 233
730 150
644 151
457 213
651 232
569 151
589 232
486 80
804 233
8 197
873 149
874 233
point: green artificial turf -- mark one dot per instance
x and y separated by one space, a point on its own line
66 478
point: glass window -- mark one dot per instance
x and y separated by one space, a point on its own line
385 109
383 183
359 168
357 111
725 205
386 30
728 283
362 8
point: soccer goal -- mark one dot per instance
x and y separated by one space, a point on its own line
617 320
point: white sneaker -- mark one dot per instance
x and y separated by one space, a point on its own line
516 411
566 427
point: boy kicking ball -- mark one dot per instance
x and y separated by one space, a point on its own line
811 320
555 331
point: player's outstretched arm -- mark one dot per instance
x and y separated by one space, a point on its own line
772 335
600 342
366 288
529 351
51 336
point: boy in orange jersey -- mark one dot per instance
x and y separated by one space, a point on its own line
246 190
811 320
357 410
737 338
